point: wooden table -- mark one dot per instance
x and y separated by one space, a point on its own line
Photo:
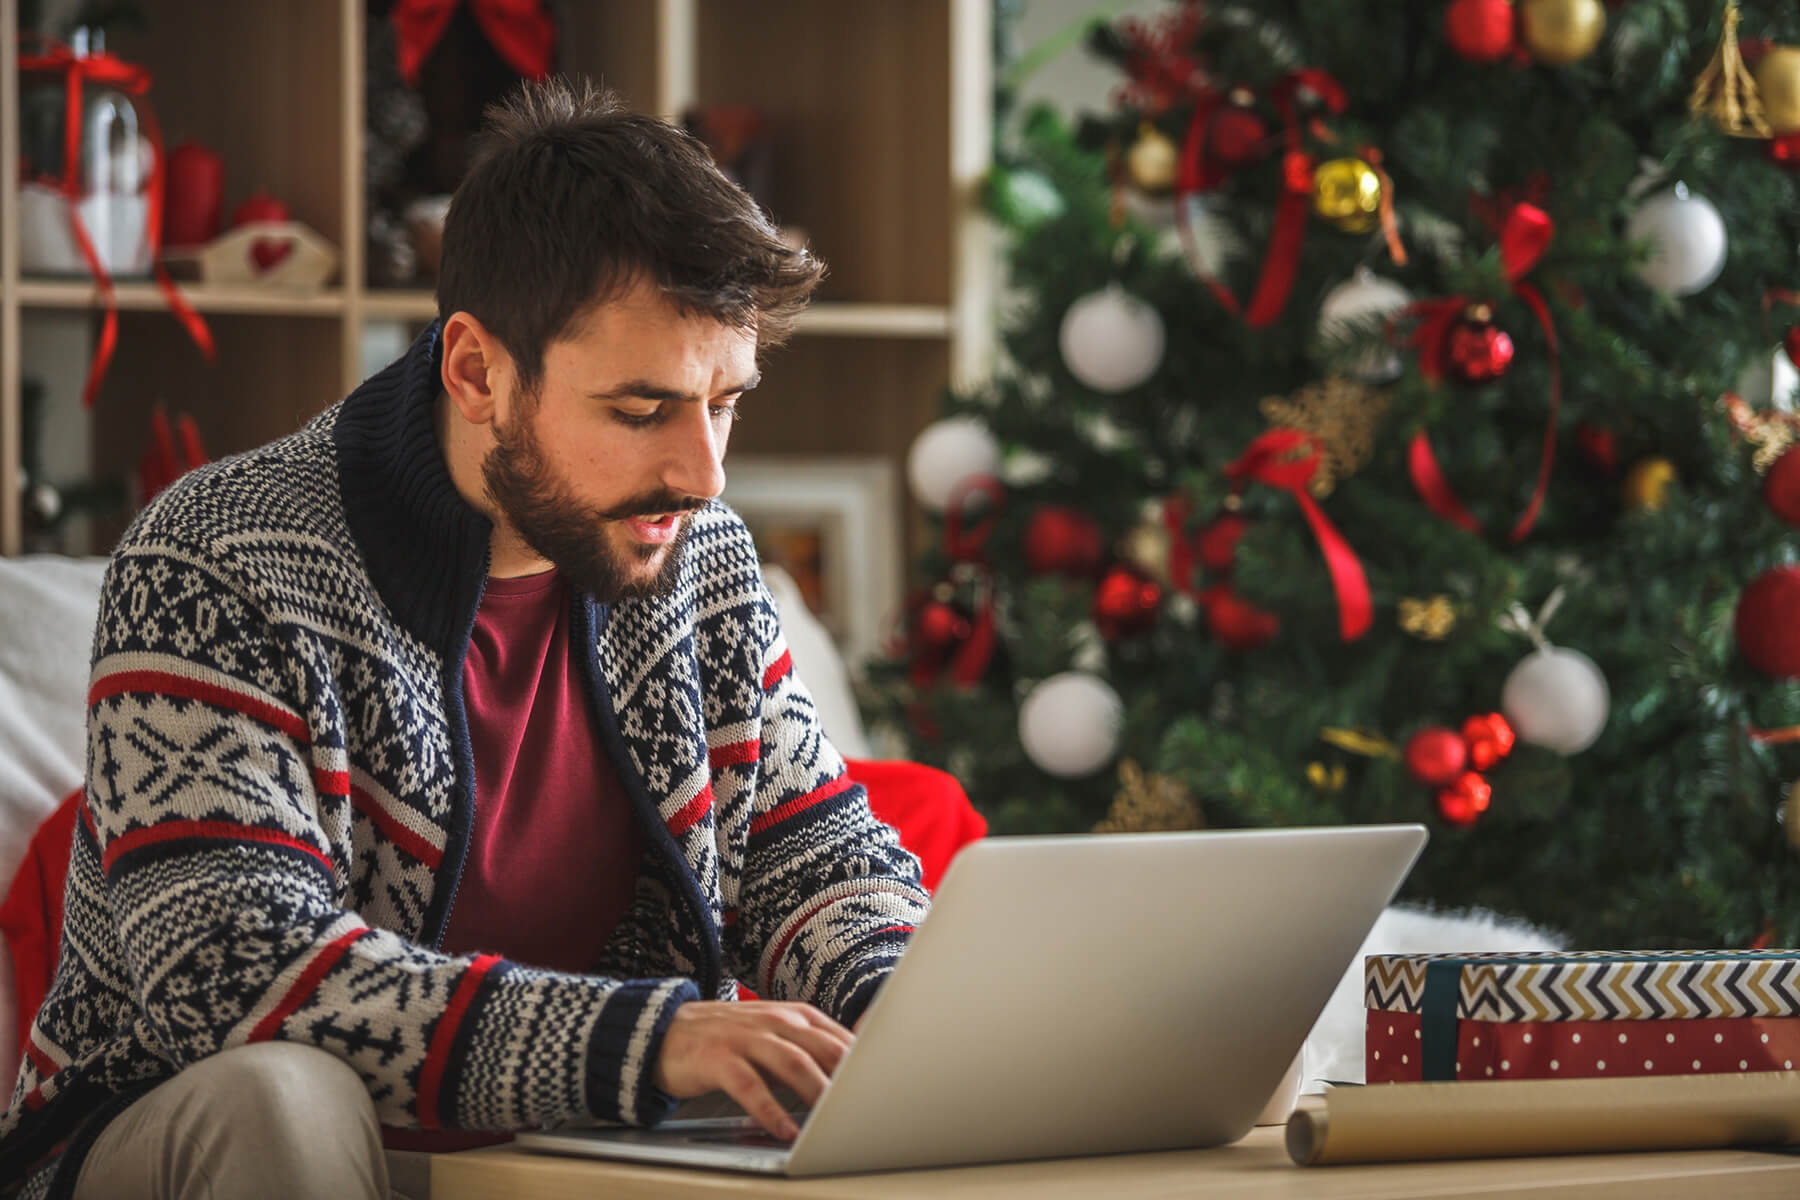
1258 1166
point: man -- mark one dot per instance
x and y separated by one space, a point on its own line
445 754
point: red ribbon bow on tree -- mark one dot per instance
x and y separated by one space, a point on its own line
1286 459
1275 282
79 70
1524 238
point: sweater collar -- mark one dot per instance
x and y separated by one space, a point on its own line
425 548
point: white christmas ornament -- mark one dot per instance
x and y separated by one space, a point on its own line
1111 340
1348 311
1069 724
1557 698
1687 241
1770 382
947 454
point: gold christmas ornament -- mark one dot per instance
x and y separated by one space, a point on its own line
1778 83
1770 432
1326 779
1647 484
1431 619
1147 547
1151 161
1149 803
1726 92
1347 193
1559 32
1341 415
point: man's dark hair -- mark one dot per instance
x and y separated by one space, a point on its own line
570 198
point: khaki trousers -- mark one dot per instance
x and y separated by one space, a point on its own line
268 1120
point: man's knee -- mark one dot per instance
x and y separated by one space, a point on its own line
269 1119
278 1089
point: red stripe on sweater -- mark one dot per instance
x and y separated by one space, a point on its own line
169 684
799 804
777 670
87 818
307 984
331 783
692 812
431 1075
897 929
46 1066
171 831
734 754
790 935
394 831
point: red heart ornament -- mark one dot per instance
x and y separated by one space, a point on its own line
266 253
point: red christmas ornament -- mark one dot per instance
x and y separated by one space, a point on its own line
1238 137
1781 487
1436 756
1218 542
1768 622
1786 148
1477 350
941 626
1236 622
1599 446
1490 738
1463 802
1063 541
1125 603
1482 31
1791 344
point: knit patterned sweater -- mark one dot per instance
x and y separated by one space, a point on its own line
279 796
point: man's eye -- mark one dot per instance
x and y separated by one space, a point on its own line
726 412
624 417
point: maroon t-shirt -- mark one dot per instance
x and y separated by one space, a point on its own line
554 852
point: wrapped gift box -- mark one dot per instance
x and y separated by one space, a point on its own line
1580 1015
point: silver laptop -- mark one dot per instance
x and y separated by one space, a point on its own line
1077 995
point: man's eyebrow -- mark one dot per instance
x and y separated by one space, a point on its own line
644 389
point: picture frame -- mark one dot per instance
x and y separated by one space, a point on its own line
833 523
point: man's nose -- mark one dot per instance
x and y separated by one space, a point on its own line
696 453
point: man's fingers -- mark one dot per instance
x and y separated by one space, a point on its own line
744 1085
791 1064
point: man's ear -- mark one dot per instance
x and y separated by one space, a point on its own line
473 364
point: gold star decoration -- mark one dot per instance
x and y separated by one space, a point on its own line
1770 432
1149 803
1342 416
1430 619
1726 91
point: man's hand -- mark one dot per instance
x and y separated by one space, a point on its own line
728 1046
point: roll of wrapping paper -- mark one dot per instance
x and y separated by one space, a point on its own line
1403 1122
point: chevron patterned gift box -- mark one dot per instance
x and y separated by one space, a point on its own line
1580 1014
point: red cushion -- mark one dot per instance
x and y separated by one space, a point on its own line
32 916
926 806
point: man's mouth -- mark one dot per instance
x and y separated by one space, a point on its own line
654 530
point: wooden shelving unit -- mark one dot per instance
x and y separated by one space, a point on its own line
884 119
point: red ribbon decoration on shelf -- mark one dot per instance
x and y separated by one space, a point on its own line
1275 281
1286 459
520 31
1523 240
111 71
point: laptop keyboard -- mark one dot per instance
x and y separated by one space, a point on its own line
739 1137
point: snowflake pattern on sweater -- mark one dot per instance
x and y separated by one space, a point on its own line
279 799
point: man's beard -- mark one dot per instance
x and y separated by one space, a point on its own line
572 535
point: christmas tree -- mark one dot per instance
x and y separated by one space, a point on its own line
1396 428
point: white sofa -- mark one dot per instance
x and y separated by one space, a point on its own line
47 607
